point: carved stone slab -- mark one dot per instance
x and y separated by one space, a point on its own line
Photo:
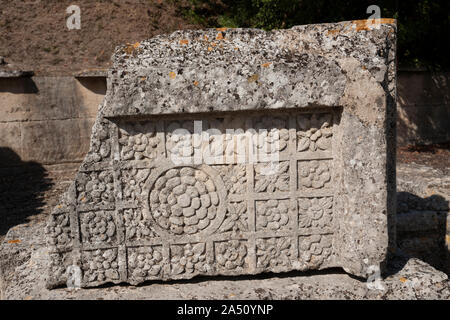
236 151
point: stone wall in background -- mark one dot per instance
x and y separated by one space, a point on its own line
47 120
423 107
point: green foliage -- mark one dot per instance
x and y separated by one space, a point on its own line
423 25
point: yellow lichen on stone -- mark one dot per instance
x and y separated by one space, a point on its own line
361 25
402 279
219 36
332 32
266 65
253 78
210 48
130 48
368 24
195 83
387 20
221 29
172 75
184 42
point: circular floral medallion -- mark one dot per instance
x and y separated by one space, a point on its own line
184 201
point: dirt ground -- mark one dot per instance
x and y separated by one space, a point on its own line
34 35
434 155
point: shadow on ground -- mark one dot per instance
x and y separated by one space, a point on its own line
22 187
422 228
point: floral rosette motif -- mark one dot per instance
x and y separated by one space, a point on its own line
188 258
315 212
271 136
136 226
314 132
272 177
145 264
95 187
138 141
98 226
273 252
133 181
315 250
184 201
272 214
231 254
314 174
234 177
100 265
235 218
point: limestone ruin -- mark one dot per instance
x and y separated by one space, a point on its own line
236 151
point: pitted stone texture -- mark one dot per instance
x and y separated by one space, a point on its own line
148 204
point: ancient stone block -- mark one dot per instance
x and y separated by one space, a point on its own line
237 151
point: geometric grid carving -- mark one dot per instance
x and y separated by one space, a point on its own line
312 209
140 216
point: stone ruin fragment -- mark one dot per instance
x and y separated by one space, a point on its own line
236 151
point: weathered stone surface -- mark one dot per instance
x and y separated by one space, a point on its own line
21 277
148 204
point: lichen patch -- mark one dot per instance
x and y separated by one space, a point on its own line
219 36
